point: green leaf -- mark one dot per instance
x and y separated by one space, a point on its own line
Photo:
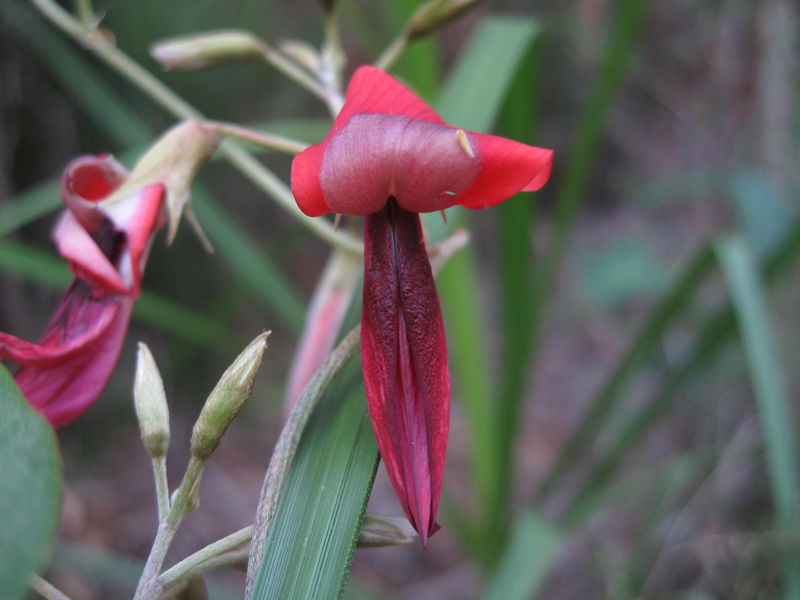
766 374
712 336
312 539
670 308
485 70
533 546
30 489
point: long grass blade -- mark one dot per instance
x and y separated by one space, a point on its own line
485 70
533 546
711 338
764 363
671 307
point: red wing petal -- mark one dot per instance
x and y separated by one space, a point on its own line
373 91
87 259
306 188
404 358
507 167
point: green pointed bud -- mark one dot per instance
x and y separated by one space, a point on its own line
436 13
208 49
227 399
173 161
385 530
150 402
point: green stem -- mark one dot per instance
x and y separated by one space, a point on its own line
332 62
207 558
150 587
259 138
162 487
392 52
177 106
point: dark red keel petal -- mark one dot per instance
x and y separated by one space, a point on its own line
404 357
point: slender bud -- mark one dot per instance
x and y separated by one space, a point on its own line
173 161
384 530
227 399
436 13
150 402
208 49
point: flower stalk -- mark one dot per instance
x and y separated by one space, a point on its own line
242 160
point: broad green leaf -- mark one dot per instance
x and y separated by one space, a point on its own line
766 374
311 542
30 490
533 546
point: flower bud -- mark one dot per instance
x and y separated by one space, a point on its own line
227 399
173 161
435 13
384 530
208 49
150 402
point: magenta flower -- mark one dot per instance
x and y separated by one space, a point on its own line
388 157
65 371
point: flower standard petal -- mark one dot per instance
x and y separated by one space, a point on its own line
404 358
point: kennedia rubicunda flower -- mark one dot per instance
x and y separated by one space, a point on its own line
105 234
388 157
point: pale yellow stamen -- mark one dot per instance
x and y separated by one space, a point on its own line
337 221
463 141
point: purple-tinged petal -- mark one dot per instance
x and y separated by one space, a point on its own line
65 372
404 358
424 165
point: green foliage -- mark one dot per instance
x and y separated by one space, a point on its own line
311 542
30 490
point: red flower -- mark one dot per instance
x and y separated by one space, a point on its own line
388 157
65 371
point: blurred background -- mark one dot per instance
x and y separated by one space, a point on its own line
631 329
